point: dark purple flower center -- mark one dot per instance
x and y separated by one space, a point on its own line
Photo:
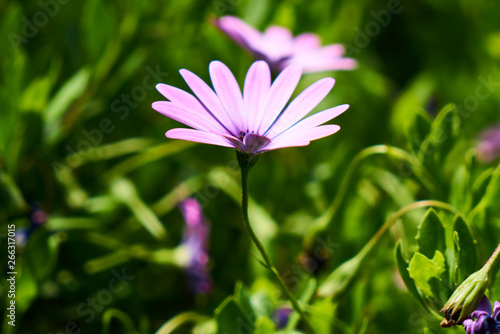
254 143
250 142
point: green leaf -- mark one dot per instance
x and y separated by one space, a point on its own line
481 184
264 325
35 96
427 273
411 101
430 235
493 193
461 195
35 266
98 25
305 297
26 288
321 312
125 191
444 134
337 283
231 318
243 297
402 266
67 94
418 130
465 249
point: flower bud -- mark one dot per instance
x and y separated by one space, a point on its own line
465 299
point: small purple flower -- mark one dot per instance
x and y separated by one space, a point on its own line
279 48
489 147
254 122
485 322
281 317
38 217
196 235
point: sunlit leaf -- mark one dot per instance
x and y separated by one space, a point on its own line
426 273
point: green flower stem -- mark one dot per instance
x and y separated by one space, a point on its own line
420 173
179 320
245 168
394 218
492 261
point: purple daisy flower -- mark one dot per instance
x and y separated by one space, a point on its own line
252 122
489 147
279 48
485 322
196 234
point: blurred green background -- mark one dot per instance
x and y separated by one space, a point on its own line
79 139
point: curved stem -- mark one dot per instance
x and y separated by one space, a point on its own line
260 247
492 261
180 320
340 279
394 218
420 172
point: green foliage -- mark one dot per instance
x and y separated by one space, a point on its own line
430 235
79 137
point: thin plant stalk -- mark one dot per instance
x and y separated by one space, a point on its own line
245 168
492 261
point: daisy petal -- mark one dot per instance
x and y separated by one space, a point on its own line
256 89
277 42
332 50
496 312
184 100
306 41
282 144
319 118
242 33
278 34
302 105
198 137
229 92
484 305
315 64
314 120
320 132
209 99
302 138
469 326
182 115
279 94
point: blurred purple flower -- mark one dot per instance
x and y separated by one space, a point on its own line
485 322
38 217
196 236
252 123
281 317
489 147
279 48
